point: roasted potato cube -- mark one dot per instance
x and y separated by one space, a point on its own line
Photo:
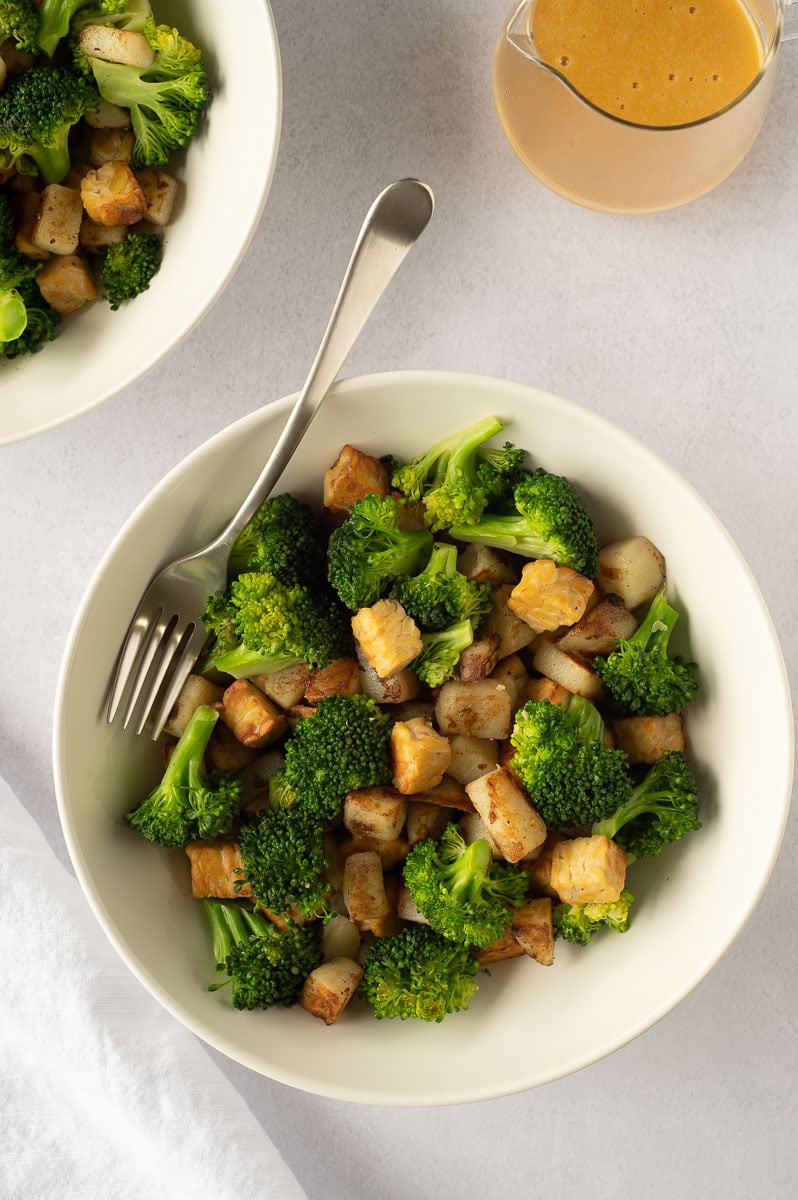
420 756
486 565
515 826
473 829
398 688
514 675
633 568
95 238
504 947
111 145
388 637
254 719
533 930
56 229
376 812
407 909
195 691
600 628
111 194
588 870
547 689
471 757
116 45
425 820
352 476
340 938
364 887
66 283
285 687
478 660
329 988
549 595
25 207
161 192
226 753
216 870
339 678
483 709
108 116
448 794
570 670
389 853
513 632
646 739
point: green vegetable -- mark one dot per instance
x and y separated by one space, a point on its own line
369 550
37 111
662 808
20 20
560 758
265 966
418 974
578 922
129 267
26 320
283 859
639 674
440 653
465 896
165 100
440 595
282 539
185 805
55 18
550 521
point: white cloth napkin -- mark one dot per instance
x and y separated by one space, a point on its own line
102 1093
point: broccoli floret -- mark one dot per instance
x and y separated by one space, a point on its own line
578 922
282 539
280 625
41 322
283 859
217 617
185 805
638 673
447 478
20 20
37 111
418 973
26 320
441 595
281 793
500 471
343 745
165 100
560 758
662 808
550 521
265 965
465 896
440 653
129 267
369 550
55 18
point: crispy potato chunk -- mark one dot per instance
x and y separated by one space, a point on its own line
252 717
549 595
514 825
478 660
364 887
25 207
226 753
571 670
216 868
195 691
485 564
94 237
633 569
388 637
502 621
340 938
340 678
329 988
533 929
116 45
547 689
420 756
600 628
352 476
646 739
66 283
286 687
389 853
160 191
400 687
506 947
425 820
108 116
588 870
56 229
482 709
111 145
377 812
471 757
112 195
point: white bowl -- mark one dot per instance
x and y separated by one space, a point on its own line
528 1024
98 353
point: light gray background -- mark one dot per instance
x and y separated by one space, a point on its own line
682 329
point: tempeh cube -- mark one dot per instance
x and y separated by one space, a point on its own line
352 476
588 870
388 637
216 870
420 756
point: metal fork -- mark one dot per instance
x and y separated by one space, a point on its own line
166 633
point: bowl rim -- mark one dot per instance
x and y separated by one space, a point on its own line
273 74
444 1094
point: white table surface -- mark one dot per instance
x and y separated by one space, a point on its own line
679 327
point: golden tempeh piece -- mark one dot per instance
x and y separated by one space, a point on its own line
549 595
420 756
588 870
216 868
388 637
352 476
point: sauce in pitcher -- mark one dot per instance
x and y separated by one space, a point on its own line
653 62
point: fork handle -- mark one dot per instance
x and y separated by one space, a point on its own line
393 223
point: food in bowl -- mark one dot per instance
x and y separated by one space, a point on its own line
94 103
433 726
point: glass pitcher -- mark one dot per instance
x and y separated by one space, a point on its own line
604 162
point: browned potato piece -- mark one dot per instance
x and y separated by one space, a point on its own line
425 820
94 237
376 812
66 283
398 688
471 757
549 595
389 853
340 938
388 637
599 629
108 116
116 45
254 719
633 569
515 826
329 988
364 887
226 753
514 675
216 868
352 476
112 195
533 930
111 145
486 565
504 947
161 192
646 739
75 174
570 670
420 756
482 709
588 870
339 678
56 229
547 689
25 207
473 829
407 909
195 691
513 632
478 660
448 794
286 687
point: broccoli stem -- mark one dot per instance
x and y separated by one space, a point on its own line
241 663
655 629
468 873
230 926
187 754
53 162
586 720
644 799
